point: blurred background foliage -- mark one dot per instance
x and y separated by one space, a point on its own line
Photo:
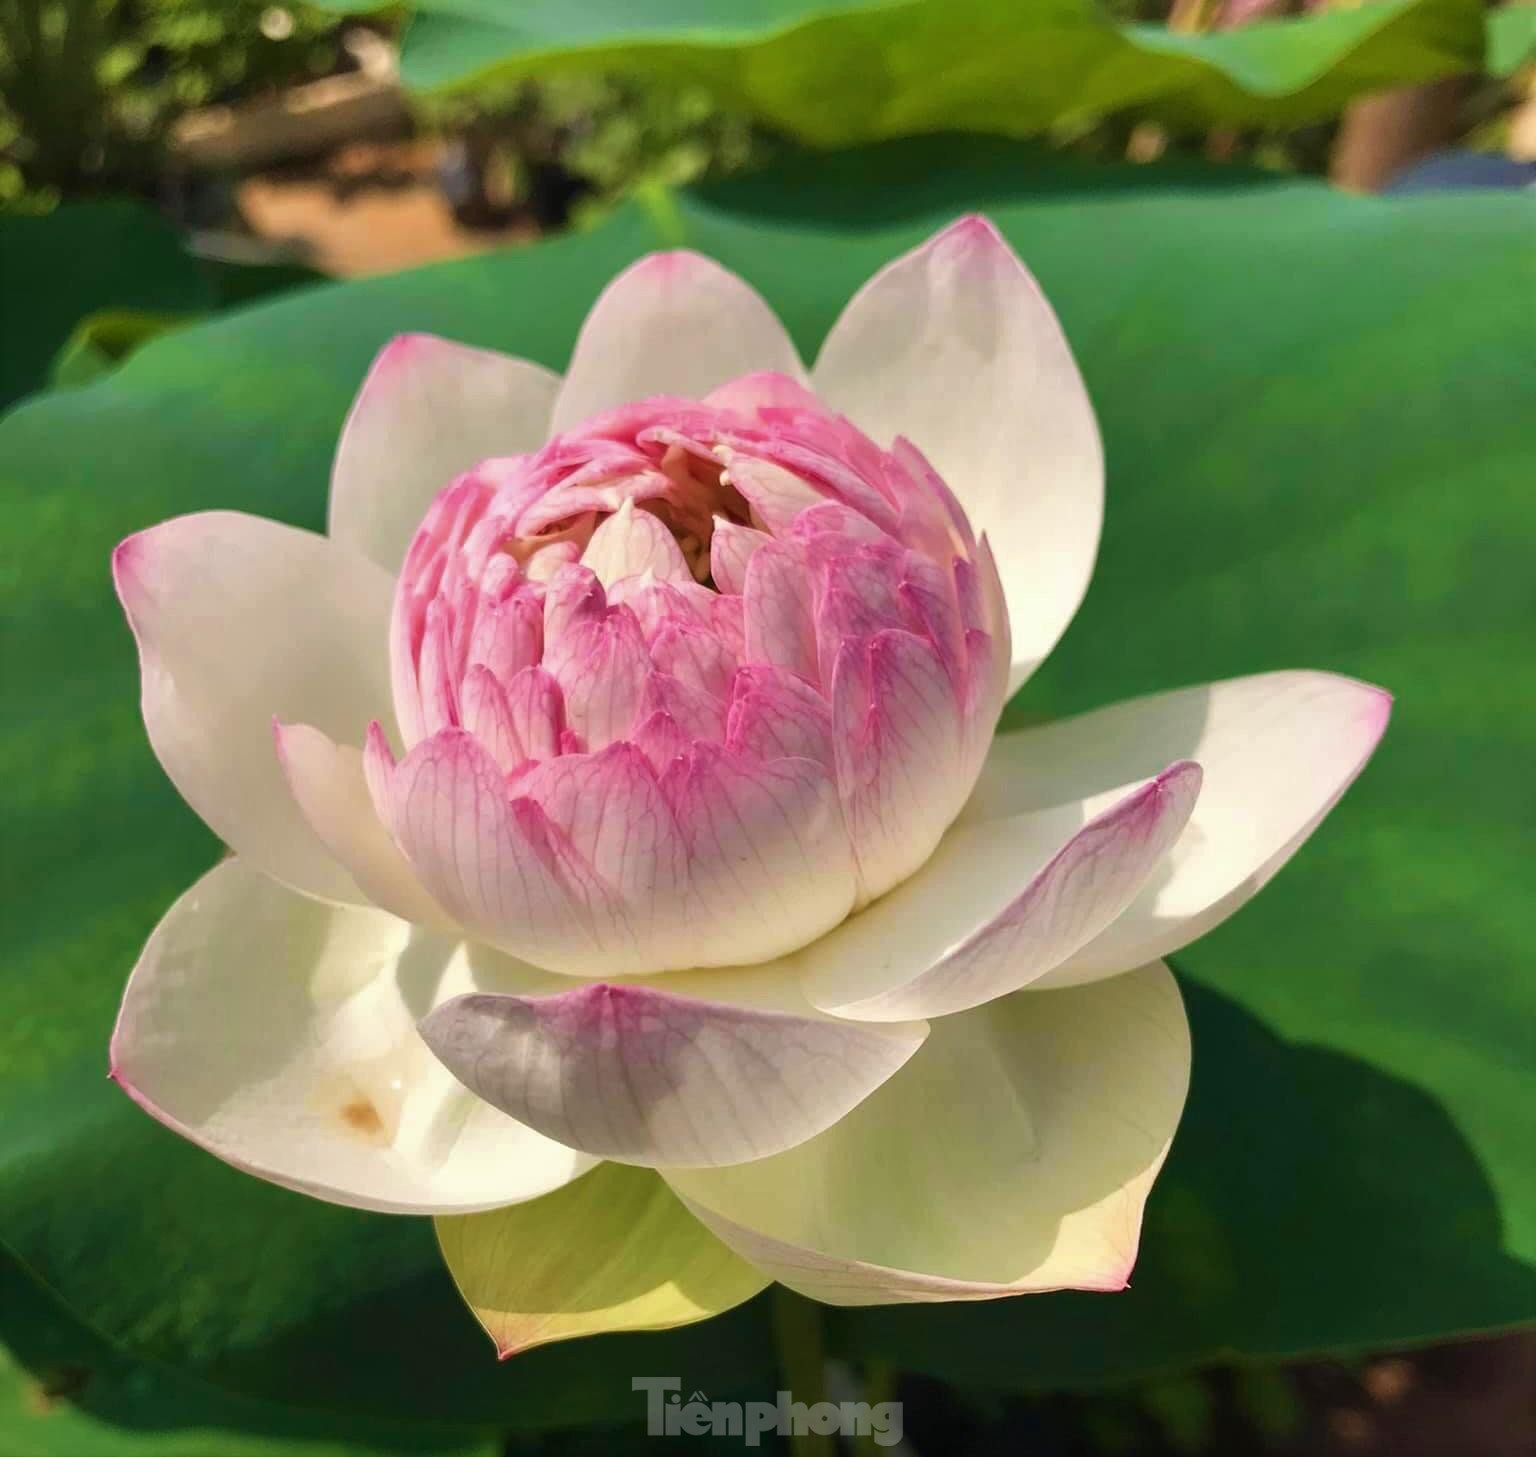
1311 388
613 94
90 88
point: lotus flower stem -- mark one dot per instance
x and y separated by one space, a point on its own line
801 1347
879 1386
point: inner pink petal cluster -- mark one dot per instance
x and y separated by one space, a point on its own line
687 685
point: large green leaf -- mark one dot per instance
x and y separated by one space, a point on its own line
841 71
1319 438
65 1392
56 269
84 285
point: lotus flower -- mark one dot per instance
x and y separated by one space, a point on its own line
616 784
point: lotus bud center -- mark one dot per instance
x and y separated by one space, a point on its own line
745 593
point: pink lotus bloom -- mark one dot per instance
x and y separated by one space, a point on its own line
617 782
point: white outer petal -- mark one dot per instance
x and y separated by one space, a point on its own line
613 1251
955 347
1014 1153
671 324
1000 904
1278 751
239 621
428 411
687 1068
279 1034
